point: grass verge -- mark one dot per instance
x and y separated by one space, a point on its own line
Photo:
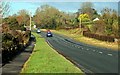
45 60
75 34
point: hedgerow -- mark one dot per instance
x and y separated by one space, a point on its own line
13 42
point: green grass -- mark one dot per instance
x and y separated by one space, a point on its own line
75 34
46 60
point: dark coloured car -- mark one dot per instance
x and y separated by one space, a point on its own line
49 34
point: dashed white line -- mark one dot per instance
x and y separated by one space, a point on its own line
87 49
100 52
109 54
75 46
89 53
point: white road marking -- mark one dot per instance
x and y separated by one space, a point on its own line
89 53
109 54
75 46
87 49
101 52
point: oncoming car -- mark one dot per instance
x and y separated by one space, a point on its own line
49 34
38 30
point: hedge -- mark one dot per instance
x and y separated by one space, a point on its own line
13 42
99 37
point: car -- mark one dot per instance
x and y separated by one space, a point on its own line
32 38
49 34
38 30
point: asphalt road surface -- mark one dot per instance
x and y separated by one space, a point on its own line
89 58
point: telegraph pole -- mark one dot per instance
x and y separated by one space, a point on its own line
30 21
80 23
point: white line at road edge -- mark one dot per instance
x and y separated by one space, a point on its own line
101 52
75 46
109 54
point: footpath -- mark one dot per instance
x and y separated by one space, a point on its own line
15 66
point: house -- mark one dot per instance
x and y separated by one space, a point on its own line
96 19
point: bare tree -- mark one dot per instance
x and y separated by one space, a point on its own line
4 8
86 7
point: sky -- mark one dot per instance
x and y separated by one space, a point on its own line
15 6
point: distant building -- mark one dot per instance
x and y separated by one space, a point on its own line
96 19
34 26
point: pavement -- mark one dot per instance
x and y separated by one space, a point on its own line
89 58
15 66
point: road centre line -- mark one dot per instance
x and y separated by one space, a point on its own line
88 49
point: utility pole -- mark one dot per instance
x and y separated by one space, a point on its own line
80 26
80 23
30 21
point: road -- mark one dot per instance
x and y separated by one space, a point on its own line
88 58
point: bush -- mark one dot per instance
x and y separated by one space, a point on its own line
13 42
99 37
8 47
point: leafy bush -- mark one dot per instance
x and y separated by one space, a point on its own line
13 42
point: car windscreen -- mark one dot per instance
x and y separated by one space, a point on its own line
49 32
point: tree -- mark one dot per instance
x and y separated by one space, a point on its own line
109 17
84 17
87 8
49 17
115 28
23 17
99 27
13 23
46 16
4 8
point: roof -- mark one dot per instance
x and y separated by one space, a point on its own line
96 19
